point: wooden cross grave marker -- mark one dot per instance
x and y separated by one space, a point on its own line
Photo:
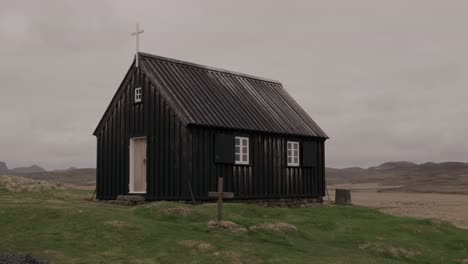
220 195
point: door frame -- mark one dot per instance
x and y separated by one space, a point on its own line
131 179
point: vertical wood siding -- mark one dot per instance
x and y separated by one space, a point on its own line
164 133
267 175
179 158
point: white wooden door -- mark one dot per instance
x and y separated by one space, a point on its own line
138 165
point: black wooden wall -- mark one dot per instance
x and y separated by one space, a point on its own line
164 133
267 175
179 157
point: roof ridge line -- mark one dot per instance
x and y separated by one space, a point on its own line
210 68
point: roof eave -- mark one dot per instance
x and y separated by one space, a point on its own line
256 131
113 98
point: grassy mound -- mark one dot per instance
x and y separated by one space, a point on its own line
21 184
228 226
198 246
283 228
61 226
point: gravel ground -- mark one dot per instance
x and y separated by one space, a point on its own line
19 259
451 208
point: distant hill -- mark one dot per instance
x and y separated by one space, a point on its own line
394 165
63 170
20 170
446 177
30 169
72 176
78 177
3 168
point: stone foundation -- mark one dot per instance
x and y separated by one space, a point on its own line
283 202
128 200
279 202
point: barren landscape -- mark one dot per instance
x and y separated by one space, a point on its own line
430 190
452 208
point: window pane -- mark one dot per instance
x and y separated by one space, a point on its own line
296 153
244 157
237 149
237 141
244 150
244 142
296 160
296 146
137 95
237 157
289 159
289 153
289 145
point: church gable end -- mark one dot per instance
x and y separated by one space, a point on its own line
154 119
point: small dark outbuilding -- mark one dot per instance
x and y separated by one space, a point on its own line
174 127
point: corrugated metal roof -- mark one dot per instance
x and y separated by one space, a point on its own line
215 97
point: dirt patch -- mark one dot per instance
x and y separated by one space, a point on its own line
20 184
451 208
282 228
178 211
198 246
227 225
463 261
386 249
117 224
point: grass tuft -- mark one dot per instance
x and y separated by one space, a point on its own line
282 228
22 184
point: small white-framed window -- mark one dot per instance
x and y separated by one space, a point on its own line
242 150
293 153
138 95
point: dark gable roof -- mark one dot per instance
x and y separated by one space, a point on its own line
208 96
219 98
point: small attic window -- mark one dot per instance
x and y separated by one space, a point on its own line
138 95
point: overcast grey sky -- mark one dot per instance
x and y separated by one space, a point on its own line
387 80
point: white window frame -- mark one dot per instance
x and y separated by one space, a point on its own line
293 153
138 95
242 153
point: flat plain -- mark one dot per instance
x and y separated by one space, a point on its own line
446 207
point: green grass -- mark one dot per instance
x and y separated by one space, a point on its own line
62 227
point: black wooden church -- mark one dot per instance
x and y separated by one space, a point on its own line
174 127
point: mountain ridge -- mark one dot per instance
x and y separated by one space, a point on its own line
444 177
20 170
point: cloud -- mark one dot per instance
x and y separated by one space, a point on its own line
386 81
